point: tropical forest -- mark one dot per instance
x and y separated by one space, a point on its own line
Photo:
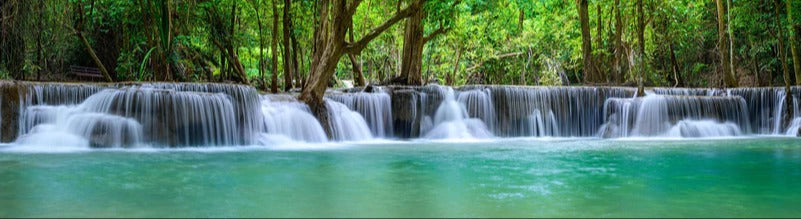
400 108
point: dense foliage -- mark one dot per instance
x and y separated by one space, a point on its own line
471 41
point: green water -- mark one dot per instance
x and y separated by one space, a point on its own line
510 178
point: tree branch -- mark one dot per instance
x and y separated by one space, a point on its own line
353 6
441 29
356 47
437 32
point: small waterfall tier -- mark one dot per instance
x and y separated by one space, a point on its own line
452 120
286 117
199 115
374 107
662 115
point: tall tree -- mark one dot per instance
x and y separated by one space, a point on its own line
358 77
274 50
78 32
794 27
586 42
640 48
723 46
414 39
335 16
288 63
257 8
599 44
617 69
783 58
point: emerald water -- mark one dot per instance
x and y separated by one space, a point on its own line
737 177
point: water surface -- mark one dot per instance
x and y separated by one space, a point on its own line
740 177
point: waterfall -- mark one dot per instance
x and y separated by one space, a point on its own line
345 124
197 114
452 121
170 114
657 115
291 119
376 108
618 114
550 111
794 127
652 116
478 103
703 128
169 117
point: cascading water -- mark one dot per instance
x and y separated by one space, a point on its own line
478 104
452 121
186 114
169 117
704 128
73 126
676 116
291 119
550 111
376 108
794 127
346 125
652 117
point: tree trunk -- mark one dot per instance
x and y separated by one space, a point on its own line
288 66
88 47
166 20
723 46
274 50
599 58
617 74
640 48
788 97
295 49
412 58
586 42
91 52
256 7
39 34
358 77
520 19
335 16
794 28
452 76
675 66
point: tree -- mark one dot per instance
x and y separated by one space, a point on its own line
586 42
256 7
617 70
77 30
335 17
358 77
274 50
783 58
794 42
723 46
414 39
640 48
289 66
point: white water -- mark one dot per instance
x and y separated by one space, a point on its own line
290 120
122 116
77 126
451 121
652 117
794 127
703 129
375 108
346 125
